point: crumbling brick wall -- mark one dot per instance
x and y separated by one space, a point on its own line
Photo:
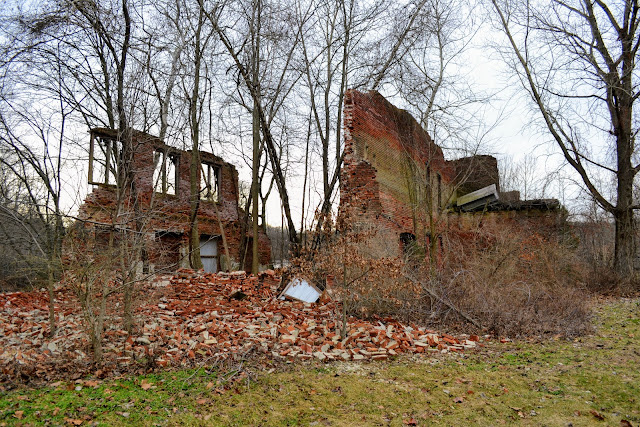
476 172
392 169
166 216
396 180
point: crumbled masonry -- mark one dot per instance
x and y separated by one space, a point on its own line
192 318
167 212
397 181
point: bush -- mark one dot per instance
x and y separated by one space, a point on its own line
503 280
596 245
513 282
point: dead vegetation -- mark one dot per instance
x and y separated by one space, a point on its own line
514 282
497 280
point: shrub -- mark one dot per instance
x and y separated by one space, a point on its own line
495 279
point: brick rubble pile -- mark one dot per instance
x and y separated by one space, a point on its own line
194 317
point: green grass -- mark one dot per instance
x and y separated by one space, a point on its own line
554 382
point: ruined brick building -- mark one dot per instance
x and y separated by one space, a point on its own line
161 175
398 182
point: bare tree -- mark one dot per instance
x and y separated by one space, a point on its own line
162 54
342 47
35 214
522 175
255 25
200 40
264 110
577 62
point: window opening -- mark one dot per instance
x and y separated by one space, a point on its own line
166 253
408 240
105 158
209 182
165 170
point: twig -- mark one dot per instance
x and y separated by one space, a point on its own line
433 295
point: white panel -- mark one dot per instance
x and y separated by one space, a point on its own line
209 248
209 255
301 290
489 191
210 265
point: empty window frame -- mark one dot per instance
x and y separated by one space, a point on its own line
209 182
165 171
428 186
408 241
166 250
105 159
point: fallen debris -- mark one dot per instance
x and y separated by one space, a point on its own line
194 317
300 289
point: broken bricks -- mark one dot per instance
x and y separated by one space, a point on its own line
194 316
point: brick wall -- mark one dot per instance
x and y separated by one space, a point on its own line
166 217
392 169
476 172
396 180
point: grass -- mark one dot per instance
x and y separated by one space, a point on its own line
588 381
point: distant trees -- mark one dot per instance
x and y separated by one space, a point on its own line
577 59
338 40
522 175
430 75
32 148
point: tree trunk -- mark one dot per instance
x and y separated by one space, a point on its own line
255 177
194 234
96 344
255 188
130 255
244 241
621 111
625 242
51 293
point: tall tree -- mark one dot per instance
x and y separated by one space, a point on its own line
255 32
342 46
577 61
266 100
431 76
200 40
